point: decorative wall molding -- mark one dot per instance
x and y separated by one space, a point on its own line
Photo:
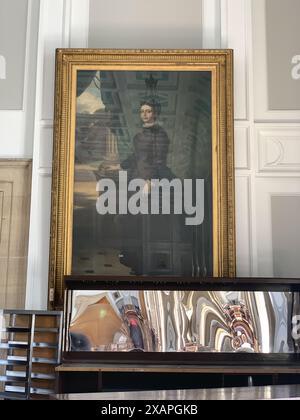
242 147
243 226
47 123
46 149
15 34
211 23
261 108
18 125
6 188
279 149
79 23
265 189
15 163
45 173
51 36
62 24
15 181
237 39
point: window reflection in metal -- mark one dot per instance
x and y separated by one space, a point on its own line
182 321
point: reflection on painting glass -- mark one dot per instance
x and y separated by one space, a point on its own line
184 321
143 171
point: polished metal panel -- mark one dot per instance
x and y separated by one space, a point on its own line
182 321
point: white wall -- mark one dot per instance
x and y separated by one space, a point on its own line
266 142
141 24
65 23
276 139
17 119
13 49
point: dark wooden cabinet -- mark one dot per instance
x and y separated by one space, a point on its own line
81 378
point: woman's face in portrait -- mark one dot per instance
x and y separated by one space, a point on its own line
147 114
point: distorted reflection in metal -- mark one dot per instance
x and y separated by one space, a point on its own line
182 321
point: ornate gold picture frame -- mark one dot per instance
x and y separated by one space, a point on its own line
132 127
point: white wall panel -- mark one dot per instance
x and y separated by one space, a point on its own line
275 140
267 155
260 65
12 126
242 147
13 33
279 148
236 34
16 126
140 24
52 22
243 226
118 24
237 40
51 36
38 258
79 23
211 24
283 50
286 235
63 23
267 188
46 147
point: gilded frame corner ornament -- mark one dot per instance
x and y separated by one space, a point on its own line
68 62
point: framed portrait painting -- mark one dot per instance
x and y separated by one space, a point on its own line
143 181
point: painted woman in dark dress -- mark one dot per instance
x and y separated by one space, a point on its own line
151 145
148 161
